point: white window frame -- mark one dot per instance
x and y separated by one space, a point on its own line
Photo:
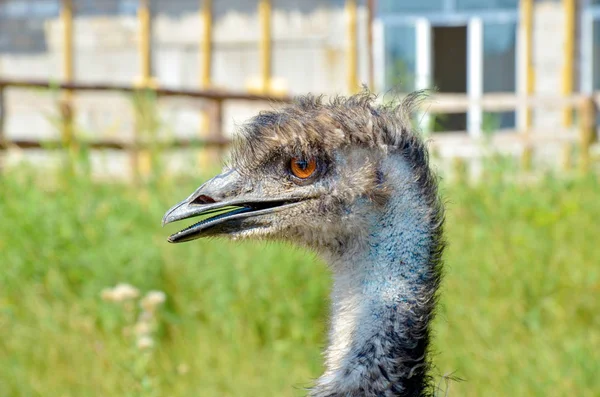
423 25
587 17
475 76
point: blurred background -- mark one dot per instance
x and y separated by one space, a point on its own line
113 110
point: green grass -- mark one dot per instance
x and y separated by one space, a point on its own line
520 309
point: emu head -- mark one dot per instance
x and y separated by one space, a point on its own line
309 173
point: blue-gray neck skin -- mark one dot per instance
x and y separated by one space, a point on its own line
383 297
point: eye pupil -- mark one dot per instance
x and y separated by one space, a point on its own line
302 164
303 168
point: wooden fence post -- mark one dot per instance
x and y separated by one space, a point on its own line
569 7
2 124
526 10
134 150
66 115
370 17
205 155
145 132
216 135
146 81
587 131
206 44
146 78
351 10
264 13
66 103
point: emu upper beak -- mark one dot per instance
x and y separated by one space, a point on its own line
231 200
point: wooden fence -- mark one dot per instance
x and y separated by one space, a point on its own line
583 133
216 98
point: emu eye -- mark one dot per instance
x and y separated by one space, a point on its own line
303 168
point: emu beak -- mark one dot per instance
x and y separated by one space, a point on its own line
234 203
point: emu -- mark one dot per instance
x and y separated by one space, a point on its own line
351 180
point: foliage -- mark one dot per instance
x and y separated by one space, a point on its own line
518 314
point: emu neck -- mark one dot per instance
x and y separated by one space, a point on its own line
383 296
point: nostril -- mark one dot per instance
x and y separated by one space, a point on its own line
203 199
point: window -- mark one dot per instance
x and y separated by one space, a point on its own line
596 54
400 58
388 6
486 4
499 66
106 7
23 25
30 9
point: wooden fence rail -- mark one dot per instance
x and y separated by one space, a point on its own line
216 98
208 94
585 106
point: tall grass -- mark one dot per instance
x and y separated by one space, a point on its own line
519 313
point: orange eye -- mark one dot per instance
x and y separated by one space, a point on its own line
302 168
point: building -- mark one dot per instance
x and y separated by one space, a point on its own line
475 47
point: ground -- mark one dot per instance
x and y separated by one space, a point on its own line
518 313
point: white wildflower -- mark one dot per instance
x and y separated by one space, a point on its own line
145 342
183 369
142 328
152 300
145 316
123 292
108 295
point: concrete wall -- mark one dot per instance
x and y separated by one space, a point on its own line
309 55
548 44
549 41
309 45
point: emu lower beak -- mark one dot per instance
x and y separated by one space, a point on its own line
231 201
